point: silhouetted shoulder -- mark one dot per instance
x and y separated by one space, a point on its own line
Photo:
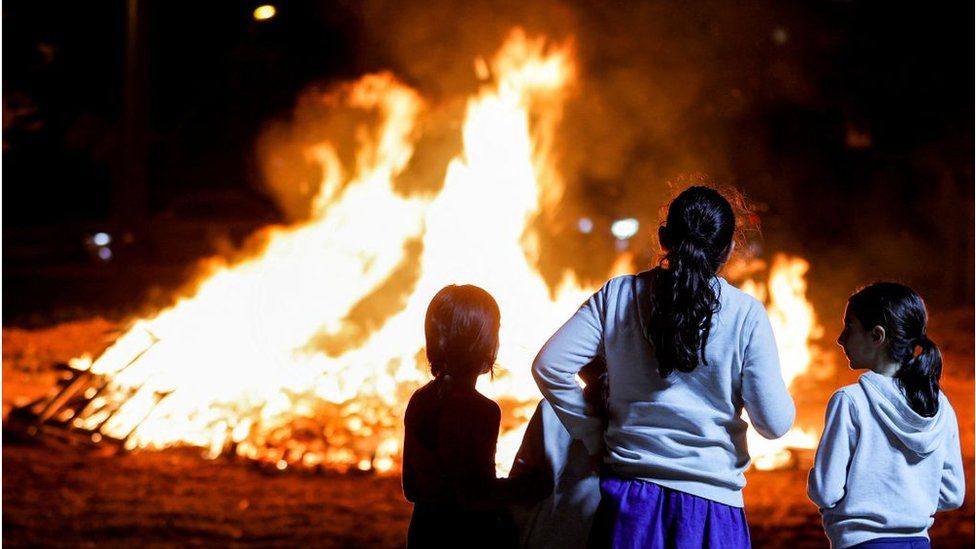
474 406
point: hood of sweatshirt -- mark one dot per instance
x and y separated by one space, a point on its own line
919 434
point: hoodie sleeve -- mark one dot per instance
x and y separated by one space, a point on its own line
764 393
573 346
953 489
827 482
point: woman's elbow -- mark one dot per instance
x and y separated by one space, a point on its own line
819 496
775 427
541 370
948 502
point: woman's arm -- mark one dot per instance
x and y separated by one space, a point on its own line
764 393
573 346
827 482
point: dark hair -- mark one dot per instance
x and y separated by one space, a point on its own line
696 237
901 312
462 331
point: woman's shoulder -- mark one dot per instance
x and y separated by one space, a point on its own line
737 302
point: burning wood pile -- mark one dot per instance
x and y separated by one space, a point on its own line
297 355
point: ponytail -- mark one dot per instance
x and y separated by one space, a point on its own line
901 312
919 376
697 239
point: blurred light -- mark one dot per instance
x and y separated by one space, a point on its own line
101 239
104 253
281 465
585 225
265 12
481 68
781 36
625 228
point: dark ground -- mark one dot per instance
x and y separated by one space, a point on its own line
68 497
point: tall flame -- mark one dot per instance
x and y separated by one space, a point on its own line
794 326
264 360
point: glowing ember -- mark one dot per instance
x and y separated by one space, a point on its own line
268 358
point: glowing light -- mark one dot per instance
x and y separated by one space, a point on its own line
264 12
585 225
101 239
624 229
105 253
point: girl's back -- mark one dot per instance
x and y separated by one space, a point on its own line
683 431
685 352
449 443
882 455
889 454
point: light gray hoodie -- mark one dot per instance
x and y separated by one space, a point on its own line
881 469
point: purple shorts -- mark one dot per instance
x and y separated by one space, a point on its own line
638 513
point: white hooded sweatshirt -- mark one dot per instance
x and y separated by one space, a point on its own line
881 469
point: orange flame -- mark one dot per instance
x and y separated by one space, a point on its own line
263 360
795 326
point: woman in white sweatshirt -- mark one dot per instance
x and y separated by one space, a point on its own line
889 455
685 353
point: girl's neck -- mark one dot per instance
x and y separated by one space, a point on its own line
887 368
467 383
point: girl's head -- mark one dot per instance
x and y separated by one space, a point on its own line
462 332
699 229
697 240
885 322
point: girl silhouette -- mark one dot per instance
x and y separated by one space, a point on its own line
450 431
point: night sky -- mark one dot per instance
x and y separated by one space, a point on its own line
849 123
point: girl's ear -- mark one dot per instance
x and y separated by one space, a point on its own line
878 335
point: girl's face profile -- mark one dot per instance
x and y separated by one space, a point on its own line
857 342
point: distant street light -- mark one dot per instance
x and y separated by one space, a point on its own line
625 228
264 12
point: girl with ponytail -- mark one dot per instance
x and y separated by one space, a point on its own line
685 352
889 456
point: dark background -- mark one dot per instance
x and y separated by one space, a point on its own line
849 124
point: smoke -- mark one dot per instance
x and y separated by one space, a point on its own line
755 96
